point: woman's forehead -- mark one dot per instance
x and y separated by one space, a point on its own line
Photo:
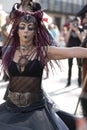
27 19
24 23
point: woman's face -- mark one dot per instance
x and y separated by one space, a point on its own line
26 32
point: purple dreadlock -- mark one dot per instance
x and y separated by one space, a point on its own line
41 38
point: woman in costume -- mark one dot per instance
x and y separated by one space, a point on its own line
29 49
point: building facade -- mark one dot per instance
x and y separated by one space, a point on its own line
62 10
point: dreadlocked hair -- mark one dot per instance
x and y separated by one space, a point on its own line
42 38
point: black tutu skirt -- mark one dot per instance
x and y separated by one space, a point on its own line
38 116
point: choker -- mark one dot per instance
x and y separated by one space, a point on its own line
23 59
23 47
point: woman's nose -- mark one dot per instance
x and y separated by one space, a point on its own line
26 28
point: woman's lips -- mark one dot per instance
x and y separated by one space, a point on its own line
25 36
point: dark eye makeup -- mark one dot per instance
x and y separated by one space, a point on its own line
29 28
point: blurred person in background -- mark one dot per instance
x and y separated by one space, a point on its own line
51 30
83 15
57 32
5 30
62 36
54 32
3 15
73 39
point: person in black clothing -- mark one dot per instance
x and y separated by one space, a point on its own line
73 39
83 96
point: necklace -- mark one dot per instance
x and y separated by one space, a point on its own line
23 60
23 47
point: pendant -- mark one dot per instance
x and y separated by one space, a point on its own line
22 61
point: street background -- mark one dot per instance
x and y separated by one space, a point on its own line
65 98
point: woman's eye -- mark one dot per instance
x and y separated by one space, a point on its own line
28 28
31 28
22 28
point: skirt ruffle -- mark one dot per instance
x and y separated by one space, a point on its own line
39 116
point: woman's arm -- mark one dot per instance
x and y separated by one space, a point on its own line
57 53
